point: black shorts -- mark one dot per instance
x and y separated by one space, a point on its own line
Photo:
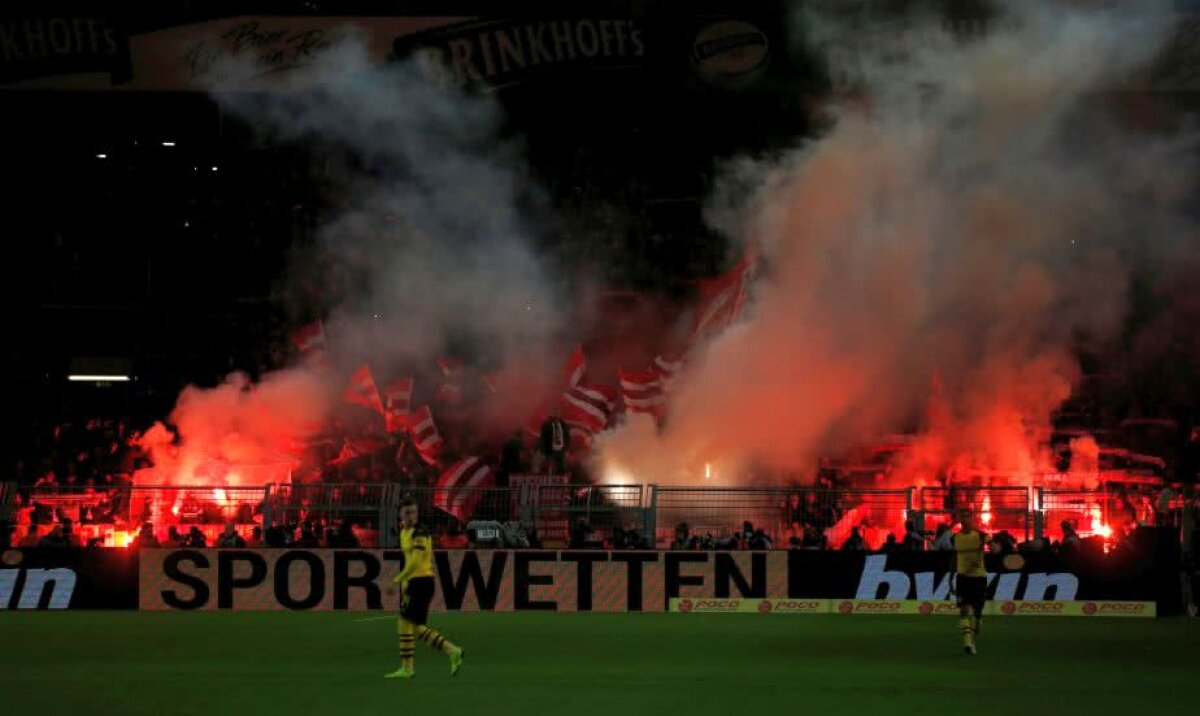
972 592
417 597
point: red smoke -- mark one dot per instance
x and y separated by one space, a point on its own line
238 433
958 230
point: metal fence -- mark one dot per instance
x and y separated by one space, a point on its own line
595 514
1107 511
997 508
599 510
780 513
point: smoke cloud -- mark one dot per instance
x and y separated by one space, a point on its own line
973 228
431 251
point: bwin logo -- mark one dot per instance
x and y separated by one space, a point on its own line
36 588
879 582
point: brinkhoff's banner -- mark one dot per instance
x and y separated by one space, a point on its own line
604 581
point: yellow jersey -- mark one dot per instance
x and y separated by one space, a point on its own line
417 546
969 548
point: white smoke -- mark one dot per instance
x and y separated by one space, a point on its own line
430 241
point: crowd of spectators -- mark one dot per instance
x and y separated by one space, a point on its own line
74 474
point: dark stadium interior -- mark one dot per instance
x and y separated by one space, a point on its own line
604 357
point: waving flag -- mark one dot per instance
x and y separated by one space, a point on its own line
362 390
588 406
357 448
459 487
585 408
668 368
425 434
575 368
450 387
309 338
721 302
397 400
643 391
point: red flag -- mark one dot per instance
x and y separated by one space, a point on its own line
572 375
721 302
450 388
575 368
362 390
425 434
309 338
643 391
459 487
588 406
397 400
668 368
357 448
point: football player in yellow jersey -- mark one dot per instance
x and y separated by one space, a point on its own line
970 579
416 592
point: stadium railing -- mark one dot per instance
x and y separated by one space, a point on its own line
554 511
721 512
1107 510
372 507
998 508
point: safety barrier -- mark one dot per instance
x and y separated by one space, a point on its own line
780 513
998 508
561 514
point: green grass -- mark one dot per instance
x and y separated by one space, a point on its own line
216 664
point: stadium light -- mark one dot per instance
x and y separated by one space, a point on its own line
102 156
98 378
168 144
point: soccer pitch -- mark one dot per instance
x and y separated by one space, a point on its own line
128 663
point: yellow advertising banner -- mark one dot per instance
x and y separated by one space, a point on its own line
910 607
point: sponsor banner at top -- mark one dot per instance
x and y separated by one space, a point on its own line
287 53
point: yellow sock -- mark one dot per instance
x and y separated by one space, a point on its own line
967 628
407 644
434 638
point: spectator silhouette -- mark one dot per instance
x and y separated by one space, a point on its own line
914 541
145 538
174 539
230 539
944 540
855 542
196 539
555 442
1070 539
